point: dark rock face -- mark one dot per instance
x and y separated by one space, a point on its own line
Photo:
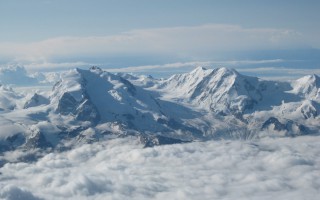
303 129
66 104
12 142
175 125
66 133
16 140
129 86
37 140
310 111
292 128
241 105
278 126
87 112
83 110
156 140
36 100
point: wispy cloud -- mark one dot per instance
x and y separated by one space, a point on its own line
56 66
279 73
267 69
186 65
281 69
181 42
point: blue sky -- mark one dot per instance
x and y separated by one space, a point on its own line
58 34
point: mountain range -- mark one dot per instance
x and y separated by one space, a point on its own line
86 106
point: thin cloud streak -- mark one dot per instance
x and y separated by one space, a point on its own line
181 65
243 66
282 73
281 70
55 66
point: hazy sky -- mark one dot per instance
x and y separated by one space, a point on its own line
120 33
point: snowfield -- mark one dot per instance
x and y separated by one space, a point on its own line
270 168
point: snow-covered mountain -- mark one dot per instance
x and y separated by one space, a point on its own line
222 90
308 87
90 105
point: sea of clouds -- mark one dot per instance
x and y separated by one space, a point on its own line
279 168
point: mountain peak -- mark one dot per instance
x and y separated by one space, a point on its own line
308 86
316 79
309 79
199 68
95 69
226 71
200 71
222 70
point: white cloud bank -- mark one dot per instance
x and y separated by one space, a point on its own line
184 42
282 168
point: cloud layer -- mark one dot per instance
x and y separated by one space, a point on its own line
181 42
285 168
267 69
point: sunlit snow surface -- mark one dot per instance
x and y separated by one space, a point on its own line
280 168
